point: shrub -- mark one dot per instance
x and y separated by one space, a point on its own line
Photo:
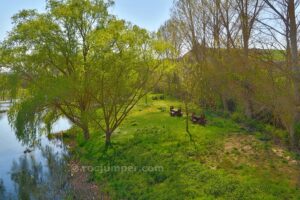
297 131
238 117
276 133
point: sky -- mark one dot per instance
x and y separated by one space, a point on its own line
149 14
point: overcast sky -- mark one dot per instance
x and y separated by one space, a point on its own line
149 14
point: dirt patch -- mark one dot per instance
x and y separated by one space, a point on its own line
247 145
249 151
283 154
242 144
82 187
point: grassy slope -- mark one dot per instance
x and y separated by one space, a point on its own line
225 163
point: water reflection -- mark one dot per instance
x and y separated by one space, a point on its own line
2 189
39 174
34 181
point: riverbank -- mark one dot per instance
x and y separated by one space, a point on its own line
83 187
80 178
152 158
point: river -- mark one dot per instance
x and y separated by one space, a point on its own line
41 173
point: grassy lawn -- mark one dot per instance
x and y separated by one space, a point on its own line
224 162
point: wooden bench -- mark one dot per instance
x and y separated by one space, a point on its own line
201 120
175 113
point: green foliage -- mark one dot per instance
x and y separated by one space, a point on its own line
282 135
297 131
83 62
25 119
238 117
248 124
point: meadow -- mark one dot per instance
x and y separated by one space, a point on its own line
229 158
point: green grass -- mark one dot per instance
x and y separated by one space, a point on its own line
225 162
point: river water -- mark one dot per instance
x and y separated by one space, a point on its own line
41 173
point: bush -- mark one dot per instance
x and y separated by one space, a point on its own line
263 136
297 131
276 133
238 117
254 125
250 125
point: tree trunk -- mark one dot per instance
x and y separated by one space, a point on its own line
187 128
294 47
247 84
292 138
146 99
108 138
295 67
224 102
86 132
294 52
249 108
187 118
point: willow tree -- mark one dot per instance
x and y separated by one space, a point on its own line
81 63
128 67
51 52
